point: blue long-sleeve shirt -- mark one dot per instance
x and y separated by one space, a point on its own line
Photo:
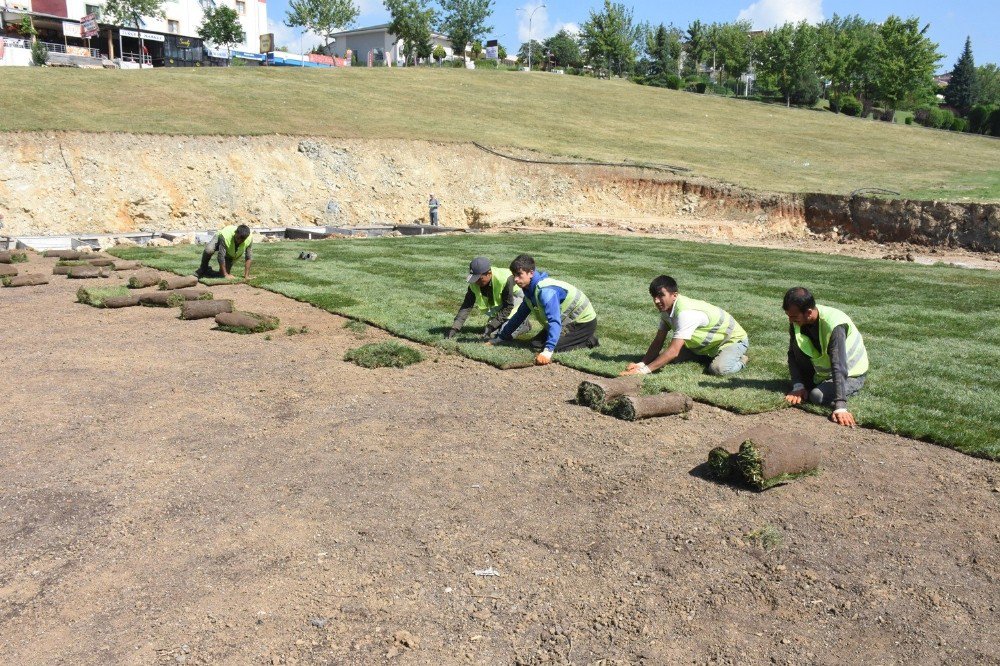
551 298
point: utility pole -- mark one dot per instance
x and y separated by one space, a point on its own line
531 15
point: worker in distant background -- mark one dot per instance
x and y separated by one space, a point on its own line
696 329
432 204
827 359
493 291
228 244
570 320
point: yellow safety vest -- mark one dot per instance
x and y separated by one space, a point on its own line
829 319
228 236
575 308
721 330
492 301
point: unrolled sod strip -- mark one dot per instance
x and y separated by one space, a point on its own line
179 282
86 272
246 322
595 392
126 265
143 279
29 280
62 254
13 257
7 271
205 309
634 408
769 457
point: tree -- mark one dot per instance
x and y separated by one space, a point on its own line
130 12
905 60
988 85
464 21
844 47
476 49
696 47
961 90
222 27
411 22
788 61
324 17
27 28
537 50
732 44
609 37
564 48
501 52
663 49
439 53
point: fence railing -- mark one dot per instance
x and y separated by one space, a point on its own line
72 50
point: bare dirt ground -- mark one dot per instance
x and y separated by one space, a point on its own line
173 494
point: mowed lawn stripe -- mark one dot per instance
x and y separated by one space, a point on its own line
929 329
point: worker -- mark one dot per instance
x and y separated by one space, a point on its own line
569 320
493 291
697 330
228 244
827 359
432 205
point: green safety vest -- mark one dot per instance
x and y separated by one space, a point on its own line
720 331
575 308
228 236
829 319
492 301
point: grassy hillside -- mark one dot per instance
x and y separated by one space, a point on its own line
754 145
929 357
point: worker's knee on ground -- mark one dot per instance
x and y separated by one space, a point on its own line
816 396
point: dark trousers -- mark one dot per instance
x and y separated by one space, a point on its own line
205 269
573 336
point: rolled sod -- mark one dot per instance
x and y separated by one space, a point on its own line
205 309
62 254
173 299
768 457
13 257
126 265
29 280
143 279
87 272
101 261
636 407
245 322
7 271
97 296
63 267
595 392
127 301
179 282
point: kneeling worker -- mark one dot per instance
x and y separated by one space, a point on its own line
569 319
493 291
696 329
229 243
827 359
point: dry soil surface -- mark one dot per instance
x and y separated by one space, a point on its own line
174 494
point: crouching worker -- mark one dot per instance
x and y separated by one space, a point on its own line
697 330
827 359
228 244
493 291
566 313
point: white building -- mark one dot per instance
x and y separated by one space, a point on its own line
379 40
169 42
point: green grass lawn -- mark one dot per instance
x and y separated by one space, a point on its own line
927 328
762 146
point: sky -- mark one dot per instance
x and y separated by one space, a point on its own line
950 22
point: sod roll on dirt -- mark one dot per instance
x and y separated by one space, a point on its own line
29 280
63 267
120 265
101 261
62 254
173 299
764 457
127 301
595 392
634 408
179 282
143 279
245 322
87 272
7 270
205 309
13 257
96 296
384 355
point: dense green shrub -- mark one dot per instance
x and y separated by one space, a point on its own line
674 82
979 118
908 120
959 125
39 54
850 106
994 122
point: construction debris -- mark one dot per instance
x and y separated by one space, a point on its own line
763 457
594 393
634 408
205 309
178 282
29 280
246 322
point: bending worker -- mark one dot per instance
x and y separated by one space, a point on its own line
697 330
493 291
566 313
229 243
827 359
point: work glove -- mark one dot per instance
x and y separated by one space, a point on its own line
544 358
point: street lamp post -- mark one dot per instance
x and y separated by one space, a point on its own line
531 15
